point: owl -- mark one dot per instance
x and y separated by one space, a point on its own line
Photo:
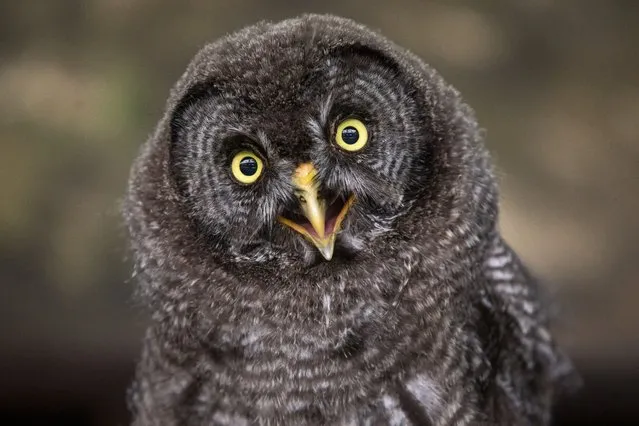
314 225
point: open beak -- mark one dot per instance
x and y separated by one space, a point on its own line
318 219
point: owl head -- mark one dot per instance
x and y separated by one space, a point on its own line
306 141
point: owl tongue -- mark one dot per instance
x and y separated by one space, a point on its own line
332 213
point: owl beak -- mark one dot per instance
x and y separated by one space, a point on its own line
322 220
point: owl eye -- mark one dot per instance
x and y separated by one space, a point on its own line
351 135
246 167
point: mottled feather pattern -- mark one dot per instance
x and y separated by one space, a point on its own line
423 317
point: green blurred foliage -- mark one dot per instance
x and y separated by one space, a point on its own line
556 85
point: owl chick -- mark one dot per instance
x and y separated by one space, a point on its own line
314 223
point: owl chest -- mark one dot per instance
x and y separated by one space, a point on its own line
329 356
301 383
296 358
297 369
327 377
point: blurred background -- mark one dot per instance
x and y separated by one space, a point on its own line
82 83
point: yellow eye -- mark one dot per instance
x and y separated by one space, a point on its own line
351 135
246 167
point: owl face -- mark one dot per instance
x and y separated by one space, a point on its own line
304 157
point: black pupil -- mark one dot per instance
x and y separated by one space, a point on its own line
248 166
350 135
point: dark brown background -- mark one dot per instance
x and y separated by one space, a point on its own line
555 83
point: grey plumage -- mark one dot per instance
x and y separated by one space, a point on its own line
423 316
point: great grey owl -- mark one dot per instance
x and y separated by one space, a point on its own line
314 224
